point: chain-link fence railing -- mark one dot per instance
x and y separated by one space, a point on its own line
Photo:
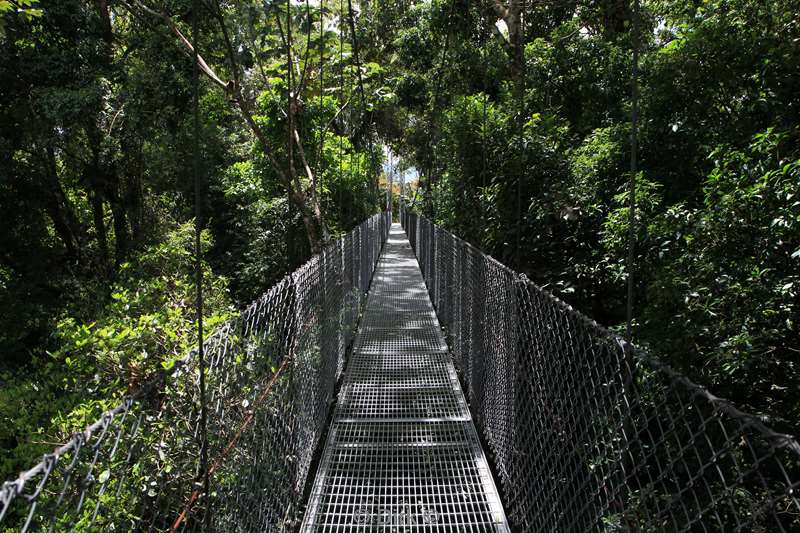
587 432
270 376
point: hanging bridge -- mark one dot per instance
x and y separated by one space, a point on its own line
405 381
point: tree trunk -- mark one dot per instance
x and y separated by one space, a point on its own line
133 196
60 209
105 19
512 16
616 14
516 38
106 175
311 214
103 180
121 235
307 204
100 225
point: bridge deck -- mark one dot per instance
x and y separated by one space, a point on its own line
402 452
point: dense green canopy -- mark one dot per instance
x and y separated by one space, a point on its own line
517 115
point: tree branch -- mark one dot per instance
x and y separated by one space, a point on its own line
207 70
302 153
304 71
228 46
312 216
232 89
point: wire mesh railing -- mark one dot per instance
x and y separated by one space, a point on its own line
271 373
586 431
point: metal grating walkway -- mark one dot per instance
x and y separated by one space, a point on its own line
402 452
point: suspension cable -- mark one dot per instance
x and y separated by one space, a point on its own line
321 140
341 103
485 99
289 94
361 86
634 168
203 474
352 155
437 93
521 127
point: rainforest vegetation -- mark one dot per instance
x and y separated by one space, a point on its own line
516 115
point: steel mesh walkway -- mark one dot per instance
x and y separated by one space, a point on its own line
402 450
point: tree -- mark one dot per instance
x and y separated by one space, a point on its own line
300 185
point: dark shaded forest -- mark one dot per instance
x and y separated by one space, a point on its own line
517 116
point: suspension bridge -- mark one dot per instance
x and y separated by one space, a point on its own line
402 380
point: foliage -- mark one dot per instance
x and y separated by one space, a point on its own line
258 229
26 9
522 145
727 279
147 324
97 160
532 165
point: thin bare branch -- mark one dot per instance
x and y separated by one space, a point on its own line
207 70
302 153
234 65
304 72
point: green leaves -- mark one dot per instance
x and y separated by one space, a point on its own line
146 326
734 277
718 205
26 10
